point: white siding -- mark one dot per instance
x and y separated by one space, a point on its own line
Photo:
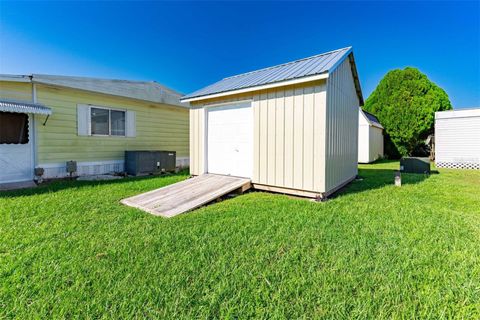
341 127
376 143
370 140
457 139
363 142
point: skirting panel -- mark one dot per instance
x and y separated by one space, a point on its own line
59 170
458 165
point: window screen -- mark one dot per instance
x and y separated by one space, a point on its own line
100 118
118 123
13 128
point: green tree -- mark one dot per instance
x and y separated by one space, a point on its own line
405 102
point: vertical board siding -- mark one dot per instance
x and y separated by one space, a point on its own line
256 137
280 138
342 127
298 138
319 152
263 155
289 136
271 139
288 145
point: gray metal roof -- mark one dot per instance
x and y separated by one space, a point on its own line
306 67
373 120
24 107
148 91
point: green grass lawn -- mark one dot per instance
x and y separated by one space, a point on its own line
70 249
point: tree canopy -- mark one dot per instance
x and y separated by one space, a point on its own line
405 102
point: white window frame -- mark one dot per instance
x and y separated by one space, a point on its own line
109 121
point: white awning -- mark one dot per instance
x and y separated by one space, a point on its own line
24 107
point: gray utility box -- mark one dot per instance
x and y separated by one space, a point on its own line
415 165
149 162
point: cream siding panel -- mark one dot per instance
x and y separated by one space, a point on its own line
191 144
271 143
263 139
319 140
159 127
289 135
280 137
201 141
342 127
256 138
308 138
289 139
298 138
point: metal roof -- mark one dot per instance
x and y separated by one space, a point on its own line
373 120
303 68
148 91
24 107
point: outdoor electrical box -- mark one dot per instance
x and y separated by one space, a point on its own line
149 162
415 165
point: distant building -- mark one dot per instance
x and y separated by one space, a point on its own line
370 138
457 139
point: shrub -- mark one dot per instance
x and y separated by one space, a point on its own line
405 102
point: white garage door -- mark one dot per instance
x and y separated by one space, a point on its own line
230 140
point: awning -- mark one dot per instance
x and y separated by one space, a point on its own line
24 107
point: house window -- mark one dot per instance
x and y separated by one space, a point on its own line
13 128
107 122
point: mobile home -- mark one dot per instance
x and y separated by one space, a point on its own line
46 121
457 139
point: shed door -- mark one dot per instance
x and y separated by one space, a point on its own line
16 160
230 140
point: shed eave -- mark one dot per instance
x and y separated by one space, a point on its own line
260 87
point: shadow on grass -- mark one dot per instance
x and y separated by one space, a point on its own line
62 184
376 178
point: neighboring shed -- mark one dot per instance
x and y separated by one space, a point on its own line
291 128
48 120
370 137
457 139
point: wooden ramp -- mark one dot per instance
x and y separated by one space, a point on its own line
186 195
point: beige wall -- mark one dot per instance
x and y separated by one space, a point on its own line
305 136
289 135
341 127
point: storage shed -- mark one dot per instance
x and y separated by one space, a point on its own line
370 137
457 139
291 128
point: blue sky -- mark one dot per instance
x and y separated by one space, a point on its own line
190 45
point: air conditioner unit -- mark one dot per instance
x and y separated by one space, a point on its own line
149 162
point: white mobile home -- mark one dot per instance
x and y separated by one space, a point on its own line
291 128
370 137
457 139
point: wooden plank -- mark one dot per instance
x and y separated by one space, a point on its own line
187 195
